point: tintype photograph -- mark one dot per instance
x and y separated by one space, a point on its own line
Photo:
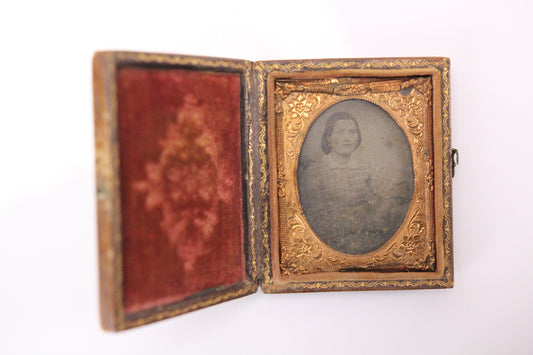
355 176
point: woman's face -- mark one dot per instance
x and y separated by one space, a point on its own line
344 138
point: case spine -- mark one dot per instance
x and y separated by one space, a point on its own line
259 173
107 186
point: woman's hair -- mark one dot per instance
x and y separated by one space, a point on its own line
330 125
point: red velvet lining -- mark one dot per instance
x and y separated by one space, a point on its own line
181 188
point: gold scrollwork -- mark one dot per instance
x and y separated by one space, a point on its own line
441 95
297 106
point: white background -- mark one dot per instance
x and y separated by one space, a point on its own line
48 270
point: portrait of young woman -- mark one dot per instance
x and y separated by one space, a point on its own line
355 177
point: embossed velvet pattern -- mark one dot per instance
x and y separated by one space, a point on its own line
181 186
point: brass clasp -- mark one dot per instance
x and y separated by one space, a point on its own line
455 160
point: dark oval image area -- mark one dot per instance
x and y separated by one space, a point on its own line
355 177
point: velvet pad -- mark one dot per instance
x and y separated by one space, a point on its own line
181 183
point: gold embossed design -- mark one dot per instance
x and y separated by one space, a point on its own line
412 247
438 69
264 213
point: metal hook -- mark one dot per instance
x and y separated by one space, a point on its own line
455 160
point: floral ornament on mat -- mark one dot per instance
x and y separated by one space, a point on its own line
187 183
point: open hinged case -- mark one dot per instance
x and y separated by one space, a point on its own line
215 176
